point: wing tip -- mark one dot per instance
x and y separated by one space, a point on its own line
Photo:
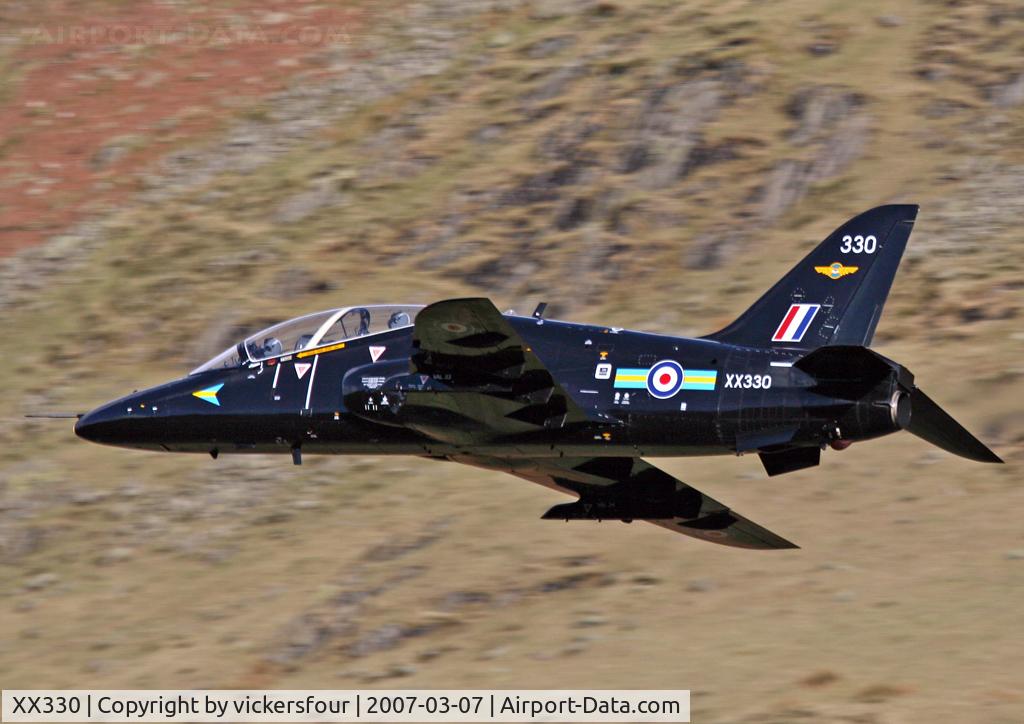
746 534
777 543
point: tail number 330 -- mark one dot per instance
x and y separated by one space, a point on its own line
859 244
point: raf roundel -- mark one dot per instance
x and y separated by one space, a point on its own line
665 379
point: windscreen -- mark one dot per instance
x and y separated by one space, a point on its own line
314 330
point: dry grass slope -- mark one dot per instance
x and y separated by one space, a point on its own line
650 164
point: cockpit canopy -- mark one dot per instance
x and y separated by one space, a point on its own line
314 330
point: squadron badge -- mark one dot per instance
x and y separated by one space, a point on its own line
835 270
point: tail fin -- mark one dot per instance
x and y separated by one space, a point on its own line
836 293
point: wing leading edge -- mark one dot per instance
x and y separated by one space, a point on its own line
622 488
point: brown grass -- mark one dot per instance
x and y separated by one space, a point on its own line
163 571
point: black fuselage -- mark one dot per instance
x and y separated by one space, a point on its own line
754 399
573 407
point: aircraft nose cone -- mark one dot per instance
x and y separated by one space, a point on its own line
101 425
83 428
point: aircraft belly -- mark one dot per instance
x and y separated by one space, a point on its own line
675 433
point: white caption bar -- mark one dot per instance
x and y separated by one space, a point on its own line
423 705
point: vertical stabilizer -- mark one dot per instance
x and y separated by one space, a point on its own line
836 293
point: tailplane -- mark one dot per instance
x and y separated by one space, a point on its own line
885 397
836 293
930 422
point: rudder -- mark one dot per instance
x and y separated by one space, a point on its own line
836 293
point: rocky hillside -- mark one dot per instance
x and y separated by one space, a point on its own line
649 164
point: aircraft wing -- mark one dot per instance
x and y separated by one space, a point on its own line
623 488
493 383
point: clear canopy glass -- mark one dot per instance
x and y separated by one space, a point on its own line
314 330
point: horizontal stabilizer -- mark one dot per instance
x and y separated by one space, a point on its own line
850 371
930 422
847 363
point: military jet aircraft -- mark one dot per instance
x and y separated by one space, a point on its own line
574 407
